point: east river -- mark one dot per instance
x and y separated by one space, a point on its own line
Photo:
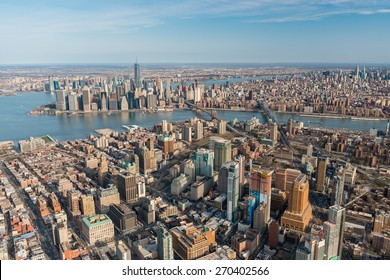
16 124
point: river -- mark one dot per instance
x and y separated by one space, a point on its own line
16 124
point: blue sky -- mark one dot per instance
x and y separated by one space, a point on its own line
262 31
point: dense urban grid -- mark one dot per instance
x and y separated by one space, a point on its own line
203 188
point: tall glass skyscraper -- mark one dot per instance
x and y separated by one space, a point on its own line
137 75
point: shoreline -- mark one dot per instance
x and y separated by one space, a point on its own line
330 116
42 110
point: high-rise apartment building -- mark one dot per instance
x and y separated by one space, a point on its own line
187 133
198 130
260 187
274 133
221 127
321 174
233 189
164 244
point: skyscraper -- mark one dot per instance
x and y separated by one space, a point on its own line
233 188
87 205
221 126
321 174
86 99
260 188
187 133
127 187
274 133
222 151
198 130
164 244
204 162
137 75
61 100
334 232
299 211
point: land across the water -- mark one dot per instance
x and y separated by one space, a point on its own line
17 124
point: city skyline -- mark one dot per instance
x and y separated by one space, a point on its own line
195 31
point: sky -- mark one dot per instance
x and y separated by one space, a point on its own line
179 31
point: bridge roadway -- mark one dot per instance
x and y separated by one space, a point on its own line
283 136
215 117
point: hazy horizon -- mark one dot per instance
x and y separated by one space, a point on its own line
173 31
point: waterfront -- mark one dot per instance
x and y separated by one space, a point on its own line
16 124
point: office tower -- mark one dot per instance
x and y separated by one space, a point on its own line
97 228
103 102
299 211
127 187
222 151
382 221
86 99
73 202
187 133
273 234
274 133
73 102
60 233
147 212
309 152
137 75
179 184
87 205
233 189
223 178
260 188
198 130
168 90
312 248
122 216
61 100
290 127
337 184
147 160
189 170
334 232
102 170
106 197
164 126
131 96
241 162
124 104
164 244
51 84
388 128
188 242
204 162
321 174
221 127
285 178
260 218
123 251
151 101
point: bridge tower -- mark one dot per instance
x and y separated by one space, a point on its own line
213 114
